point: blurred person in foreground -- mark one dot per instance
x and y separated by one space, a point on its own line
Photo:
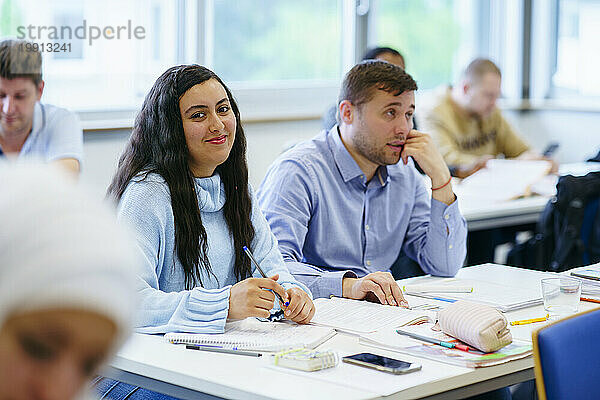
67 292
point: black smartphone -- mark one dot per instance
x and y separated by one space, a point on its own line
550 149
381 363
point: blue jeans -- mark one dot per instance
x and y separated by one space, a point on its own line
109 389
498 394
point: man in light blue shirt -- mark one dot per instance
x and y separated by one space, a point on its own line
344 204
28 128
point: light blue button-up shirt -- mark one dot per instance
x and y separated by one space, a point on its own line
331 223
55 134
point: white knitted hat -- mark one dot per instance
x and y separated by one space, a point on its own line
59 248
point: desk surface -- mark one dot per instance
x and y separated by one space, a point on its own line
484 215
151 362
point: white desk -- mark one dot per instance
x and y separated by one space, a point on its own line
150 362
515 212
510 213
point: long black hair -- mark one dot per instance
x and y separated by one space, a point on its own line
157 144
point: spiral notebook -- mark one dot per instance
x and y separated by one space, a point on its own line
253 334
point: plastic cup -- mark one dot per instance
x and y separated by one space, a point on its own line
561 296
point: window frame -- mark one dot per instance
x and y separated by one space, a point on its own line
527 70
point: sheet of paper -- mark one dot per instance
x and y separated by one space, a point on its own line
357 316
502 180
588 286
377 382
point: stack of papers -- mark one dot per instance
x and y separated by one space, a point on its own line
589 286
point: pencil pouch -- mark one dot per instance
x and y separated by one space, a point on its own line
478 325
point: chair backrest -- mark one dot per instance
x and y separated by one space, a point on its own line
567 358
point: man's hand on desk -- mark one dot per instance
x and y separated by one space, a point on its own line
380 285
422 149
301 308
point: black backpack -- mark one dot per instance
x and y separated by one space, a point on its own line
568 232
596 158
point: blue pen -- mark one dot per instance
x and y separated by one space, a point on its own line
249 253
442 299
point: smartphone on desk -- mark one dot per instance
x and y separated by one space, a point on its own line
381 363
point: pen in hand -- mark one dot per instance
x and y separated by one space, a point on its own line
262 273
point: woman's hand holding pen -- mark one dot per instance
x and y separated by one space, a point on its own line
248 298
297 304
301 308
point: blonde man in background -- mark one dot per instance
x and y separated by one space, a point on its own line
468 127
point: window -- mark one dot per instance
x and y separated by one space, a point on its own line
436 37
107 65
577 57
282 59
261 53
276 40
285 58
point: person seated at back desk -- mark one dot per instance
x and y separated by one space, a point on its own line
29 128
468 127
470 130
342 205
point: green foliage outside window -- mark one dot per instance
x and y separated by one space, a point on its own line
276 40
10 18
425 32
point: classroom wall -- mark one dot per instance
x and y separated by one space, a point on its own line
577 132
266 140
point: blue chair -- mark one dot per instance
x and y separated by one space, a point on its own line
567 358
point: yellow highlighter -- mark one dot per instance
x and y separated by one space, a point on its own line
530 321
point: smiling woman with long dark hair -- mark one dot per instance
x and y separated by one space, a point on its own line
182 183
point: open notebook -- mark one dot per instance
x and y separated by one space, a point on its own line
499 286
357 316
253 334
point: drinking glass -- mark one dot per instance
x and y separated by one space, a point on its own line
561 296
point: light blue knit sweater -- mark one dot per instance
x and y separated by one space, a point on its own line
165 304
